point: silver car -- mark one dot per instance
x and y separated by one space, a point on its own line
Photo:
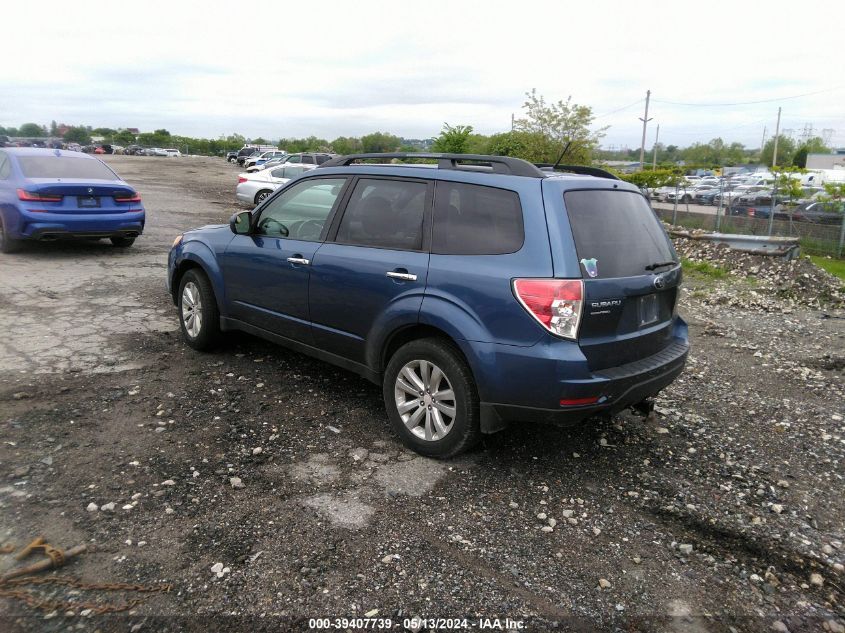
254 188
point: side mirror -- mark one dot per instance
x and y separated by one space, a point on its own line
240 223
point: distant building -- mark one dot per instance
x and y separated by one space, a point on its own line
835 160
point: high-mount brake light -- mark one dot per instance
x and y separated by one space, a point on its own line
29 196
556 304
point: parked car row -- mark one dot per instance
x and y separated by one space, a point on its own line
752 196
270 170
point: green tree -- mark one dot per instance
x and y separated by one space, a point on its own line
510 144
347 145
77 135
123 137
54 128
814 145
453 140
162 132
379 142
553 126
31 130
786 150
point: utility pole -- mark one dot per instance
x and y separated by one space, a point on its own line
512 121
774 164
654 158
763 142
645 121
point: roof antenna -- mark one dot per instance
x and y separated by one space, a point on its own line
562 154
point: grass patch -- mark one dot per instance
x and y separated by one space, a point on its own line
833 266
703 269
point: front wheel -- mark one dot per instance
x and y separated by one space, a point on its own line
199 317
431 398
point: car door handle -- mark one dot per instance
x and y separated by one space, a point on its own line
299 260
402 276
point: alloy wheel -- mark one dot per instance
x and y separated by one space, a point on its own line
425 400
192 309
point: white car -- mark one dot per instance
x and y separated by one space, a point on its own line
254 188
172 152
266 156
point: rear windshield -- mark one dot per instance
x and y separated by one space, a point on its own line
64 167
616 233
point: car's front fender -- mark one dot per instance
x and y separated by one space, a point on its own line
195 253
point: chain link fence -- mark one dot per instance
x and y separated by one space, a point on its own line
823 237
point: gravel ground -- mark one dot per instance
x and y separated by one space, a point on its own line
267 488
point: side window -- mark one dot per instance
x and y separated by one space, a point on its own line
300 211
384 214
476 220
295 159
5 166
308 159
322 158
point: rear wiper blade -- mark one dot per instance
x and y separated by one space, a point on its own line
660 265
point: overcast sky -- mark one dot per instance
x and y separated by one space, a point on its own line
331 68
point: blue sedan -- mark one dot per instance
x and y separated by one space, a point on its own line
51 194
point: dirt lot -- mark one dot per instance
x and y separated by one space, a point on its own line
724 511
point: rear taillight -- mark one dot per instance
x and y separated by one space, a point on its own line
129 197
241 179
29 196
555 303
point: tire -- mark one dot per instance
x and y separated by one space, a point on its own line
196 297
427 429
123 242
262 195
8 244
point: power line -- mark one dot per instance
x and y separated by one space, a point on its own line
739 103
630 105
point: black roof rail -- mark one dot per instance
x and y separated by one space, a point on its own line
578 169
499 164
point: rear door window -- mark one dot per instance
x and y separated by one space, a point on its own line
476 220
616 233
384 214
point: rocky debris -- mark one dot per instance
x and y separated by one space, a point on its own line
219 570
775 281
359 454
236 482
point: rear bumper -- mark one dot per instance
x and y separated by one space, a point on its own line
615 388
46 226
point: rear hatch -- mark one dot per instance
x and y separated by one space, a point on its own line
630 274
61 182
78 196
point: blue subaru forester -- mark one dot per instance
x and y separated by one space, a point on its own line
476 290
